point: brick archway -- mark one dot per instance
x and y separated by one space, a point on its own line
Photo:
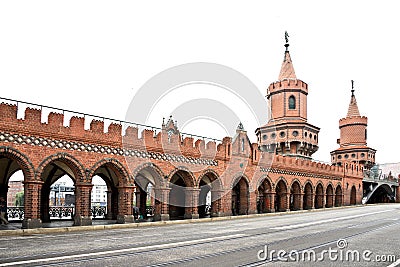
11 161
319 196
265 201
295 196
117 179
182 196
308 202
281 195
240 195
353 195
54 167
23 162
149 179
329 196
338 196
77 171
210 194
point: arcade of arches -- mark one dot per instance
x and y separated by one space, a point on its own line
179 195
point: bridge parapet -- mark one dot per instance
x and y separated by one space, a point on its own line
54 128
370 176
317 167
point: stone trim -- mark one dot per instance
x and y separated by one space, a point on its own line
302 174
107 150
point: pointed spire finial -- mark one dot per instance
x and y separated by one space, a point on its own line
240 127
353 108
287 40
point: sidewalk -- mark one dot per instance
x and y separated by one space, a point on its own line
14 229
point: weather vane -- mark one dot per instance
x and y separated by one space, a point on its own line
287 40
352 88
286 37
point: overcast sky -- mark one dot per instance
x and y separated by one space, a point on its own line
92 56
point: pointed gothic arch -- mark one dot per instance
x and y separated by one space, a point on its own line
265 195
295 202
281 195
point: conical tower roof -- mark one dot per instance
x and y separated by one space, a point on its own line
353 108
287 69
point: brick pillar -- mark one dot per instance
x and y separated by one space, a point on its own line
125 208
138 201
226 202
301 198
252 203
109 215
271 197
161 212
44 203
297 199
313 201
398 194
191 203
216 203
82 204
244 200
287 197
32 193
330 200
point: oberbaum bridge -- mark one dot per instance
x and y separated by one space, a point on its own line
276 174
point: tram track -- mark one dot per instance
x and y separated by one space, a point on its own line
93 256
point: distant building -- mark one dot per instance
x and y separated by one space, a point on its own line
61 194
99 195
14 187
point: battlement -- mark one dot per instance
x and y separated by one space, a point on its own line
287 84
150 139
362 120
290 163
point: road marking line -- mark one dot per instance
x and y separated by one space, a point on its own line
293 226
160 246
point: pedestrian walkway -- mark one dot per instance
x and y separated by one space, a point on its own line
54 224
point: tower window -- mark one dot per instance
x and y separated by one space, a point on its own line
292 102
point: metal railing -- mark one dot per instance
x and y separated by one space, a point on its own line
379 176
66 213
56 213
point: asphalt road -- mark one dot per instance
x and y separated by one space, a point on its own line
290 239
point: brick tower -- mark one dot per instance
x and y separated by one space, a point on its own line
353 138
287 131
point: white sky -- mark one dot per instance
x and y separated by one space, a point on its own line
92 56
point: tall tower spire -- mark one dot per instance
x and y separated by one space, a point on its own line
353 108
353 138
287 69
287 131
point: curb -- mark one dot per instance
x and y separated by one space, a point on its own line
35 231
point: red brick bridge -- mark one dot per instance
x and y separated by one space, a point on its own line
242 179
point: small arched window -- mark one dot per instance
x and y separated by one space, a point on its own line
292 102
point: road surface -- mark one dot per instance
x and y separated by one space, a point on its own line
357 236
